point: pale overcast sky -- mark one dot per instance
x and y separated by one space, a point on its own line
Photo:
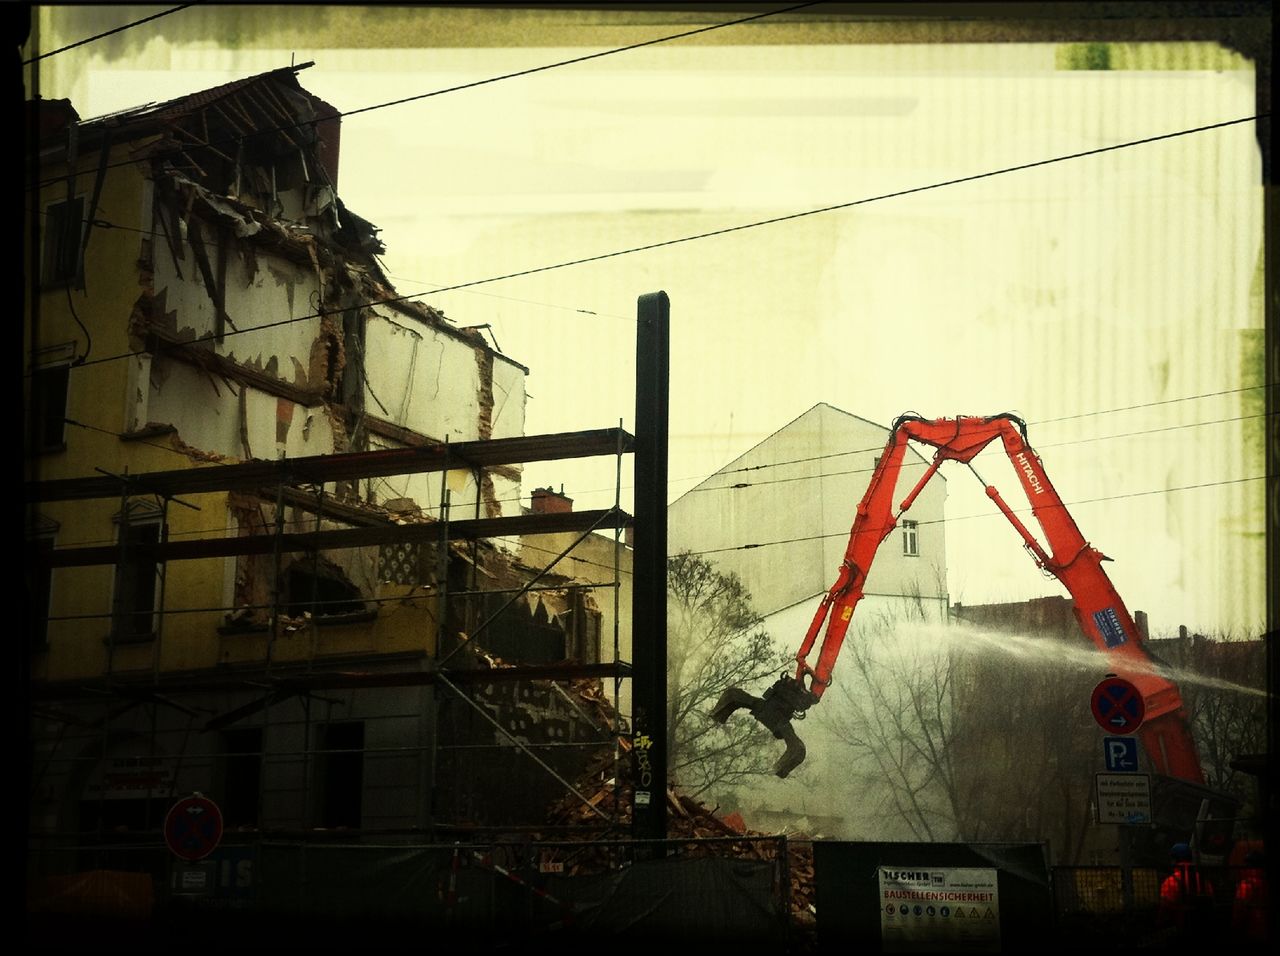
1131 278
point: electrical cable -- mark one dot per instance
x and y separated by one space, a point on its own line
863 451
741 485
714 233
1061 444
285 127
991 514
510 298
127 26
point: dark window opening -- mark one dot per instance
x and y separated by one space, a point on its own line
39 585
49 407
136 585
340 773
319 594
63 230
241 776
332 371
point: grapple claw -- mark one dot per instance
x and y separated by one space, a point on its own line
734 698
786 697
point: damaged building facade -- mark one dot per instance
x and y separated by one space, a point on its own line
262 512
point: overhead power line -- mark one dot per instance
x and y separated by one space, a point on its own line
127 26
871 448
990 514
577 59
812 458
285 127
721 232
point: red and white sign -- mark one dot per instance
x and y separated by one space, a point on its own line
1118 706
193 827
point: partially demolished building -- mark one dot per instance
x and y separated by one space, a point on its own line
271 502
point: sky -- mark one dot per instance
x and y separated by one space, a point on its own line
1111 300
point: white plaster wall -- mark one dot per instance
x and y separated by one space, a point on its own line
393 349
425 488
207 415
422 378
278 290
509 399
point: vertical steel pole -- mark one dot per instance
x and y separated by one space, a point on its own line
649 580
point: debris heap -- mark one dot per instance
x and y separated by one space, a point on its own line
608 787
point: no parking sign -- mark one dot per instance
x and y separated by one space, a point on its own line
1118 706
193 827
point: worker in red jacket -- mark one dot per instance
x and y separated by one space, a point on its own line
1249 910
1186 897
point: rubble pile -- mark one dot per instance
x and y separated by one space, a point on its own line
609 787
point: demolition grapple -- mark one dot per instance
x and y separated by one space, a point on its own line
787 698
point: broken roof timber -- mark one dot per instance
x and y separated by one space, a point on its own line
340 538
316 469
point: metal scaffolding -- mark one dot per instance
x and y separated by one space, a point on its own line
300 484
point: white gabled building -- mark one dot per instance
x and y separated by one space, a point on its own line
795 494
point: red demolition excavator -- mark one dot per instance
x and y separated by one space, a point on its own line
1165 734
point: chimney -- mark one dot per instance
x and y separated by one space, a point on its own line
547 502
51 116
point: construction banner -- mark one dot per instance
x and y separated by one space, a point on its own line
947 909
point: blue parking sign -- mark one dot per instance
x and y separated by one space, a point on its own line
1121 754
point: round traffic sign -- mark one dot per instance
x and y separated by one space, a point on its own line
193 827
1118 706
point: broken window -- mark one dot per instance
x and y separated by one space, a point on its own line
49 386
63 231
319 591
136 588
340 773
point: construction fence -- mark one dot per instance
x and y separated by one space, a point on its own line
493 893
750 890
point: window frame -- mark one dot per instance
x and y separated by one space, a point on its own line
42 439
40 587
128 578
53 257
910 539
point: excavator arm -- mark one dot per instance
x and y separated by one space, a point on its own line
1099 611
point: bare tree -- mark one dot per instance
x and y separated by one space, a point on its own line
716 641
898 715
973 738
1027 743
1222 683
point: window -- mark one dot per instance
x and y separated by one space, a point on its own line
320 594
39 585
910 539
340 773
63 232
136 592
49 407
241 776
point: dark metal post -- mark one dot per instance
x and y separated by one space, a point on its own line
649 580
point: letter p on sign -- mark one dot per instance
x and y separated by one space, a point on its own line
1121 754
